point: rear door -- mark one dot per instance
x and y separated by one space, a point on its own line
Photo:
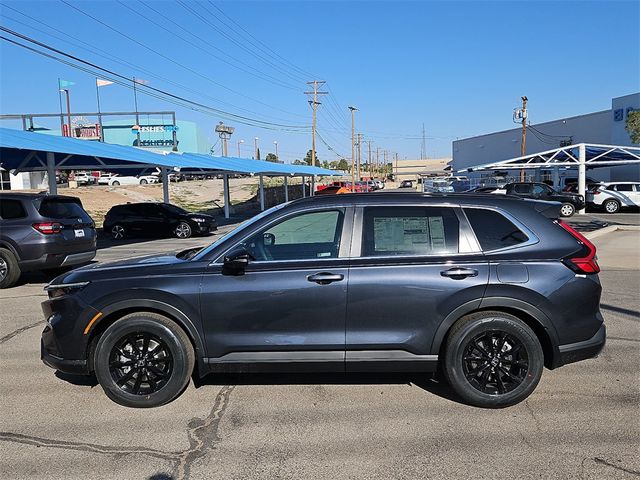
411 267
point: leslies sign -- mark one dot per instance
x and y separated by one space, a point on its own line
153 129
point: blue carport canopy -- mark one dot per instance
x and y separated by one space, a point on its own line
22 151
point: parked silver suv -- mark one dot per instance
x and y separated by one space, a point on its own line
42 232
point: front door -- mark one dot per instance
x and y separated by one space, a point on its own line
412 267
288 307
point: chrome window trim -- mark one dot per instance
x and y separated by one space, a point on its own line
347 221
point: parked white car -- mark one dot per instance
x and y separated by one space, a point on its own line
116 180
612 196
85 178
105 178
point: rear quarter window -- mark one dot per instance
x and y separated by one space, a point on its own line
11 209
493 230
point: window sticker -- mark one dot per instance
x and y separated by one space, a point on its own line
408 234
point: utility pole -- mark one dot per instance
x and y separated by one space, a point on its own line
255 148
68 94
523 143
396 165
225 133
423 146
359 157
378 158
314 105
135 102
353 148
275 142
370 168
239 143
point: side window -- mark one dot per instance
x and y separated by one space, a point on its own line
306 236
11 209
409 231
493 230
521 188
624 187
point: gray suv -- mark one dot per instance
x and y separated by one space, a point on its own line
489 289
42 232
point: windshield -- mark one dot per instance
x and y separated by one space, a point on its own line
174 209
240 227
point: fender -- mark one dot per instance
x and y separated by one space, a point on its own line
183 320
9 246
498 302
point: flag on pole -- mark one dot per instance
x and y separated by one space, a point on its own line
141 81
65 83
102 83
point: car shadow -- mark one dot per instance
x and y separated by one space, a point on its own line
428 382
78 380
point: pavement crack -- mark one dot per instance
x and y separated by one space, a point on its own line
533 415
602 461
85 447
203 434
9 336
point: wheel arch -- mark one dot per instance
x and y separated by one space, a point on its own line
114 312
532 316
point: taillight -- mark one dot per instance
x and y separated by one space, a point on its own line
48 228
585 261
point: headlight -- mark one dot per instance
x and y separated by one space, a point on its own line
60 290
199 220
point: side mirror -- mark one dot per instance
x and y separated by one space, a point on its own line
268 239
236 261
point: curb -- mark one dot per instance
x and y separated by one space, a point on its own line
611 228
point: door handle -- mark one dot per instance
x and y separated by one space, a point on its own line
458 273
325 278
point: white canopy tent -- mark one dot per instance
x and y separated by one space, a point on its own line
580 156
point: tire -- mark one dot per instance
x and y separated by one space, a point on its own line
9 268
118 232
153 380
471 350
567 210
183 230
611 206
143 182
115 183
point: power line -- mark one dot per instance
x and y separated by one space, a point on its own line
239 118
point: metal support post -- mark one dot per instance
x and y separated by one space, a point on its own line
313 185
227 197
51 173
165 185
286 189
304 188
261 194
582 173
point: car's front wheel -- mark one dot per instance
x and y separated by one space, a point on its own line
567 210
115 183
9 269
493 359
182 230
143 360
118 232
611 206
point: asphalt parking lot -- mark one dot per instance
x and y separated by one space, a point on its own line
581 422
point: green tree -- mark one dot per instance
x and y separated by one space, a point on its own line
299 162
271 157
633 125
307 158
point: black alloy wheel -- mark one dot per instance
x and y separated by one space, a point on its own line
182 230
143 360
117 232
492 359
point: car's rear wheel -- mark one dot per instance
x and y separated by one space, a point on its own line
9 269
182 230
115 183
118 232
567 210
611 206
143 360
143 181
493 359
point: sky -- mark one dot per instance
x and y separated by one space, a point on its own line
457 67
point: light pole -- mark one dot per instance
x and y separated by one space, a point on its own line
239 143
255 145
275 142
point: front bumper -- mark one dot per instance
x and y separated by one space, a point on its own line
74 367
575 352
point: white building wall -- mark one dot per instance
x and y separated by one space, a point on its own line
597 127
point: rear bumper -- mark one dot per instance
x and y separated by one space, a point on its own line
574 352
55 260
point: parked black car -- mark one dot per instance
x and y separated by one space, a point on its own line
406 184
490 289
42 232
541 191
155 219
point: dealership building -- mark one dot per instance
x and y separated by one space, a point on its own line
157 134
606 127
